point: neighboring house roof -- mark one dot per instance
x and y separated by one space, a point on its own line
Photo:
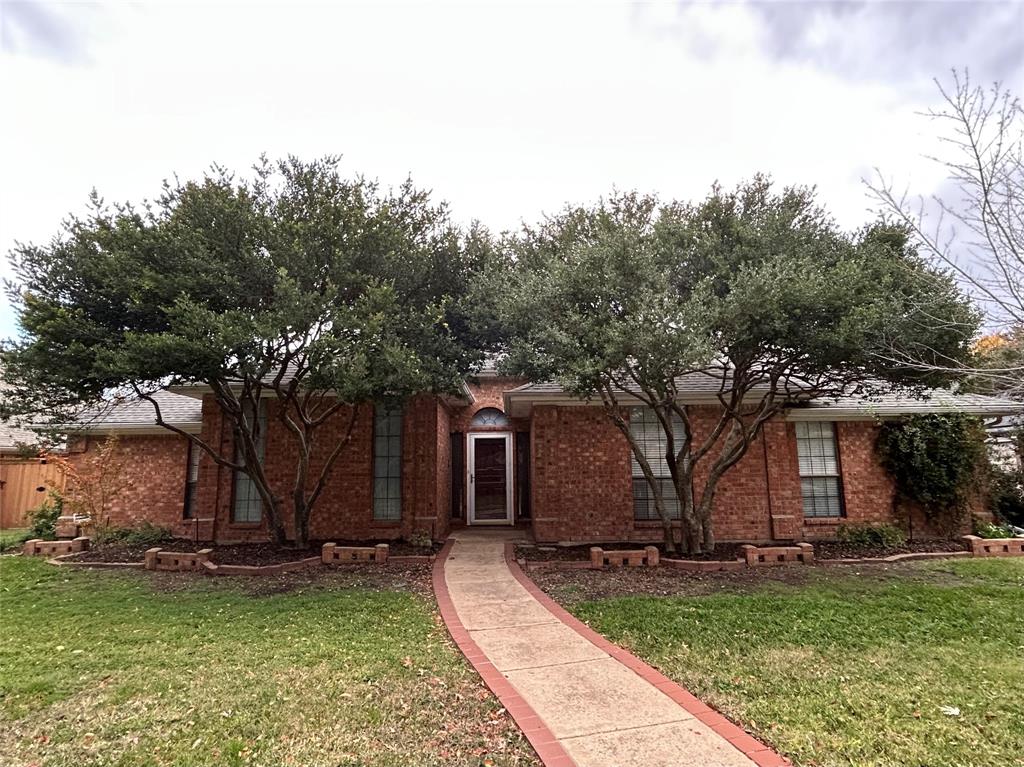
138 415
702 388
13 438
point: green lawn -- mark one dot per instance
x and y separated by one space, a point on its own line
851 669
11 537
103 668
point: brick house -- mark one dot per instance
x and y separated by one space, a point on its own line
512 452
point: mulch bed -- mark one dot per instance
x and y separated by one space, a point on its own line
540 553
257 554
725 552
415 578
843 550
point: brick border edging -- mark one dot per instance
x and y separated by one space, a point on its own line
548 749
751 747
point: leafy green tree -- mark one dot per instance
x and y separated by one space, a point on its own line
756 294
296 286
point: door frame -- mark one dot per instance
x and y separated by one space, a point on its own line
471 439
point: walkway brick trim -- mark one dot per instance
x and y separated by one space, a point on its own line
754 749
548 749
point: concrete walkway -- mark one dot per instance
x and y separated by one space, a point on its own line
597 705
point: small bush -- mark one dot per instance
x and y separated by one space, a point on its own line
145 534
1007 495
886 536
43 520
420 540
988 530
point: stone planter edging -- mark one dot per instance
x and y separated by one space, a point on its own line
37 547
995 547
333 554
907 557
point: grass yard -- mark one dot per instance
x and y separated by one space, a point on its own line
343 669
11 537
848 667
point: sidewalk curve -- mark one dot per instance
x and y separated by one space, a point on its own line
579 699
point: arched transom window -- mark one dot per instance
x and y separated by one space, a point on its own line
489 416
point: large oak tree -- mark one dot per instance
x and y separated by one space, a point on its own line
296 286
756 291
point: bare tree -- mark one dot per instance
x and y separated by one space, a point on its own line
975 231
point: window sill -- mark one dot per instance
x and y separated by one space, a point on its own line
385 522
823 521
246 525
645 524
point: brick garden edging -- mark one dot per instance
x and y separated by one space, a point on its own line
333 554
645 557
772 556
156 558
548 749
995 547
755 750
37 547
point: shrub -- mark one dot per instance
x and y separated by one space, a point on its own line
935 460
886 536
144 534
43 520
420 540
1007 494
988 530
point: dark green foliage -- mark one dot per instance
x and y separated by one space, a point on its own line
319 290
43 520
757 288
1007 494
935 460
886 536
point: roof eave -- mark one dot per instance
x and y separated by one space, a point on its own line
191 427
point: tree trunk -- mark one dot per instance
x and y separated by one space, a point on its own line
301 521
276 525
693 536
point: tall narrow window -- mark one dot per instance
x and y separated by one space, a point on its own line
819 469
191 479
387 464
248 506
647 431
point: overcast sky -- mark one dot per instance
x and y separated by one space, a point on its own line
505 109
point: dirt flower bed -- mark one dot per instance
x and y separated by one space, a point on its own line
257 554
842 550
542 553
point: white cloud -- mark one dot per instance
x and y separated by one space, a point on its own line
504 109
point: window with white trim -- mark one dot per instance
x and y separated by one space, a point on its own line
191 479
650 436
387 465
248 505
820 481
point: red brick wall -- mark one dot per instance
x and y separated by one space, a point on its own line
581 485
344 510
153 484
582 482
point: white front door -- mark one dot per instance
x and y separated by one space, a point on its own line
489 478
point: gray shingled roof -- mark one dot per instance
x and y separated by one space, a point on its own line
138 414
702 387
13 437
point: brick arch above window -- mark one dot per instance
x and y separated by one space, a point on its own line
490 418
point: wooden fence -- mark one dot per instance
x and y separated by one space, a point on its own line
23 486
